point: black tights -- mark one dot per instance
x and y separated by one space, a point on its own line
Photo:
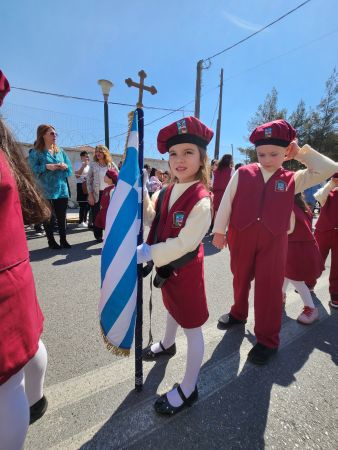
59 208
84 208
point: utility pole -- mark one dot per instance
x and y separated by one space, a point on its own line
232 151
219 120
198 88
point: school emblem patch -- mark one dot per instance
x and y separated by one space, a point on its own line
182 127
280 186
268 133
178 218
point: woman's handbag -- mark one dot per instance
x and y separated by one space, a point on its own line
84 187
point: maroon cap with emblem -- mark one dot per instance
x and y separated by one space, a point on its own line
187 130
4 87
112 174
278 132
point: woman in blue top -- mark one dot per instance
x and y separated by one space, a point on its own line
51 167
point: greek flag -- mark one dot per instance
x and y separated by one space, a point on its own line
117 307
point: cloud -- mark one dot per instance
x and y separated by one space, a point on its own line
241 22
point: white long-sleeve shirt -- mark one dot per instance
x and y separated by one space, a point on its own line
322 194
319 167
190 236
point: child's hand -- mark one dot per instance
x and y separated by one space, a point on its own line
219 241
143 253
292 150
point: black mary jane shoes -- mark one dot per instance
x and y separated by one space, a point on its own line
163 407
149 355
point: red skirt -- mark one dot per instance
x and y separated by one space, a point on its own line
184 294
218 194
304 261
21 319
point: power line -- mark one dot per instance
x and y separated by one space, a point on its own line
256 32
88 99
281 55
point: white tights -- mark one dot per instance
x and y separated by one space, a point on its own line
17 394
195 352
302 289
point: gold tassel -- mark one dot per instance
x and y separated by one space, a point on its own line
130 122
112 348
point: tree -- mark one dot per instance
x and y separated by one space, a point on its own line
325 118
267 111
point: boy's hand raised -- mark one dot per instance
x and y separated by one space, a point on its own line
292 150
219 241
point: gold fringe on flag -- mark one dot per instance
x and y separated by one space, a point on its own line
112 348
130 122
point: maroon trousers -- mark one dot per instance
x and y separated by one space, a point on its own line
256 254
328 240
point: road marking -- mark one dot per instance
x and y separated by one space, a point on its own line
141 420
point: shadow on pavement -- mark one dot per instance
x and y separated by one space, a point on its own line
133 400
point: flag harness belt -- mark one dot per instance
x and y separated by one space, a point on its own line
163 272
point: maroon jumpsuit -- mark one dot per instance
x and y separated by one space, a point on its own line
257 238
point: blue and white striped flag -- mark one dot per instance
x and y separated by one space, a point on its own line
117 307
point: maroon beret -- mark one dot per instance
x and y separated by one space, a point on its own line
188 130
335 175
278 132
4 87
112 174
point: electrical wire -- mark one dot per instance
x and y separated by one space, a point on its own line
256 32
88 99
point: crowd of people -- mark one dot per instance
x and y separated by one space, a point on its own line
257 210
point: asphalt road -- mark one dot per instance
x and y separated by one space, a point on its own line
291 403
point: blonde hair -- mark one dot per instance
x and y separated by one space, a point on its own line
106 154
203 172
39 144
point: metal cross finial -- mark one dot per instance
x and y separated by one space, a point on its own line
141 87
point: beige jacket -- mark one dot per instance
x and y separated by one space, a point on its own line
93 179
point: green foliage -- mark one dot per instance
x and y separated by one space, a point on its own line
317 127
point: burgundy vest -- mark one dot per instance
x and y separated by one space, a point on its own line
171 222
328 217
270 203
303 226
13 245
221 179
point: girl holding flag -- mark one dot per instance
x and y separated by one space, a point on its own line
174 245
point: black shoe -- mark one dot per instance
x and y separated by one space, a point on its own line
38 410
162 405
64 244
53 244
227 321
260 354
149 355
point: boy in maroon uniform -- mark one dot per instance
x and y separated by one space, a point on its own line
255 210
327 232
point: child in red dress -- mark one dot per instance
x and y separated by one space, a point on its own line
304 260
255 211
326 232
111 179
176 232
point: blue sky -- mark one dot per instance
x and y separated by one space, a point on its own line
66 46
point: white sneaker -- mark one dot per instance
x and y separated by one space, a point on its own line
84 225
308 316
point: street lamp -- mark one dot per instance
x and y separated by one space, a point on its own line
106 85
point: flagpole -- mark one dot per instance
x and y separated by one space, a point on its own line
139 304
